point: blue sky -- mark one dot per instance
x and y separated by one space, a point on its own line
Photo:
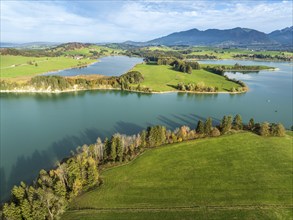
118 21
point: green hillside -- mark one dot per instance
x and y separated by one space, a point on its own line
240 176
163 78
21 66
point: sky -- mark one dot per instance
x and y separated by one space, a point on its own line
118 21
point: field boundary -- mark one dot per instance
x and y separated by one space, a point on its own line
184 208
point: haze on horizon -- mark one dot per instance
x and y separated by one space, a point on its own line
118 21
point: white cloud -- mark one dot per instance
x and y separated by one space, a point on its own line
143 20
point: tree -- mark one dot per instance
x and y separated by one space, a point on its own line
226 124
251 124
113 153
156 136
143 136
208 126
11 211
119 147
278 130
183 132
200 127
188 69
237 122
107 149
264 129
92 172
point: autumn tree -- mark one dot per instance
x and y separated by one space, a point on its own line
264 129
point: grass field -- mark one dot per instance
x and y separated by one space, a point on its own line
221 53
164 78
18 66
87 51
229 53
240 176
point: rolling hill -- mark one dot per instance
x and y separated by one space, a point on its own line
239 176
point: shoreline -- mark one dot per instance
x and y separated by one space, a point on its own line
35 91
243 59
56 71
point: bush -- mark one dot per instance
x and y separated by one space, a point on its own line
215 132
264 129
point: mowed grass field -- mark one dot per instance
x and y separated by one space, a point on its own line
239 176
164 78
18 66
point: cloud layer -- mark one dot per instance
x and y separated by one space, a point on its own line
117 21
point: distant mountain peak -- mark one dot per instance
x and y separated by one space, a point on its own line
283 36
234 36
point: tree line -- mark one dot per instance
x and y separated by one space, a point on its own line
127 81
220 70
198 87
49 195
264 57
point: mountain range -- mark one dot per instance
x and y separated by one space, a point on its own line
229 37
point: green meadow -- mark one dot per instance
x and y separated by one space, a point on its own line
219 52
162 78
21 66
239 176
88 51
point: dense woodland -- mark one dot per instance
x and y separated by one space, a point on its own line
49 195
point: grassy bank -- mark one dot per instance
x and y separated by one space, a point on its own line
162 78
236 176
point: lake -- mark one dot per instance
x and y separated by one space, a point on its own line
39 129
108 66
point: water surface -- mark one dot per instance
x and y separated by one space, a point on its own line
108 66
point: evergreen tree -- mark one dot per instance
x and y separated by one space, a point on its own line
143 136
119 147
237 123
188 69
208 126
251 124
92 172
113 153
226 124
200 127
156 136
